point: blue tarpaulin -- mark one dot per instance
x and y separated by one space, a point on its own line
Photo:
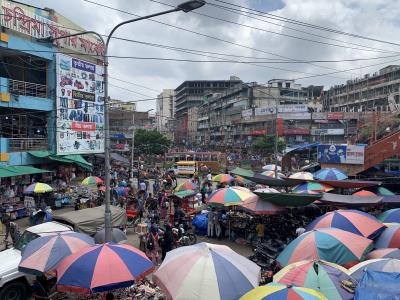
376 285
200 222
301 147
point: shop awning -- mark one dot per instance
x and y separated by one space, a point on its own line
11 171
184 194
242 172
72 158
349 200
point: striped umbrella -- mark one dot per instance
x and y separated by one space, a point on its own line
188 185
312 187
302 175
223 178
206 271
330 174
384 253
382 265
46 252
272 174
266 190
390 216
390 238
276 291
102 268
38 188
320 275
350 220
258 206
92 180
364 193
229 197
271 168
330 244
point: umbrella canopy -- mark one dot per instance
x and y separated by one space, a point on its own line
380 191
330 244
117 236
187 185
350 220
257 206
271 168
364 193
312 187
241 180
384 253
46 252
102 268
330 174
390 238
302 175
223 178
272 174
206 271
229 197
390 216
382 265
92 180
322 276
267 190
276 291
38 188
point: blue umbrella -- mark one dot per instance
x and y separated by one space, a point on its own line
330 174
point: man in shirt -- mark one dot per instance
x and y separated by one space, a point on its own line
260 228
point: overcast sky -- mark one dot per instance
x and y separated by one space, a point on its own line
376 19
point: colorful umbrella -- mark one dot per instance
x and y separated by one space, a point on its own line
241 188
384 253
206 271
330 174
390 216
102 268
364 193
92 180
46 252
188 185
312 187
382 265
276 291
330 244
302 175
266 190
271 168
350 220
223 178
320 275
241 180
380 191
257 206
272 174
229 197
38 188
390 238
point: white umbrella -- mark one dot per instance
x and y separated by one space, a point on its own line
271 168
302 175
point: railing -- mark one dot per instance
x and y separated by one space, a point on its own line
27 88
26 144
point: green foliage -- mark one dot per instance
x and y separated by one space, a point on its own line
265 145
151 142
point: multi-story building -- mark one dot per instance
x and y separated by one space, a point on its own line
379 91
193 93
165 110
49 102
192 125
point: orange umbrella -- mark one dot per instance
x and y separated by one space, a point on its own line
364 193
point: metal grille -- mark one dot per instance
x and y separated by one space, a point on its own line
27 88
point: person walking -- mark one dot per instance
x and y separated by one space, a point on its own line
167 242
211 223
152 245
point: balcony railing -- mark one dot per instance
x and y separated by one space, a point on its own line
27 88
27 144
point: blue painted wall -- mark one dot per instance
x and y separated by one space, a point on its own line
21 159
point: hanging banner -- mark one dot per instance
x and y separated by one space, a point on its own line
341 154
80 106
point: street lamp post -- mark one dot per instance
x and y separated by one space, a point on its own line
185 7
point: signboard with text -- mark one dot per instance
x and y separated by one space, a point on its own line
333 131
341 154
80 106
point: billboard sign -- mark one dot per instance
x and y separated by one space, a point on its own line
80 106
341 154
333 131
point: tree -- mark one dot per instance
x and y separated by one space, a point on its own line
265 145
151 142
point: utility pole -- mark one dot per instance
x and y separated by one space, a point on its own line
133 144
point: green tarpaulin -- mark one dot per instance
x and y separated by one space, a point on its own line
72 158
11 171
184 194
242 172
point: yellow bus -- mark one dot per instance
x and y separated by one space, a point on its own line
186 167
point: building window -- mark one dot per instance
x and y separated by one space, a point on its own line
287 84
280 84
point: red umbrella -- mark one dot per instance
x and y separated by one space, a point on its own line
258 206
364 193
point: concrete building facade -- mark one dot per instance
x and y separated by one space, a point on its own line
165 110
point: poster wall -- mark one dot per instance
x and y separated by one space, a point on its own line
80 106
341 154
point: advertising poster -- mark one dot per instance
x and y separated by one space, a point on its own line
341 154
80 106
